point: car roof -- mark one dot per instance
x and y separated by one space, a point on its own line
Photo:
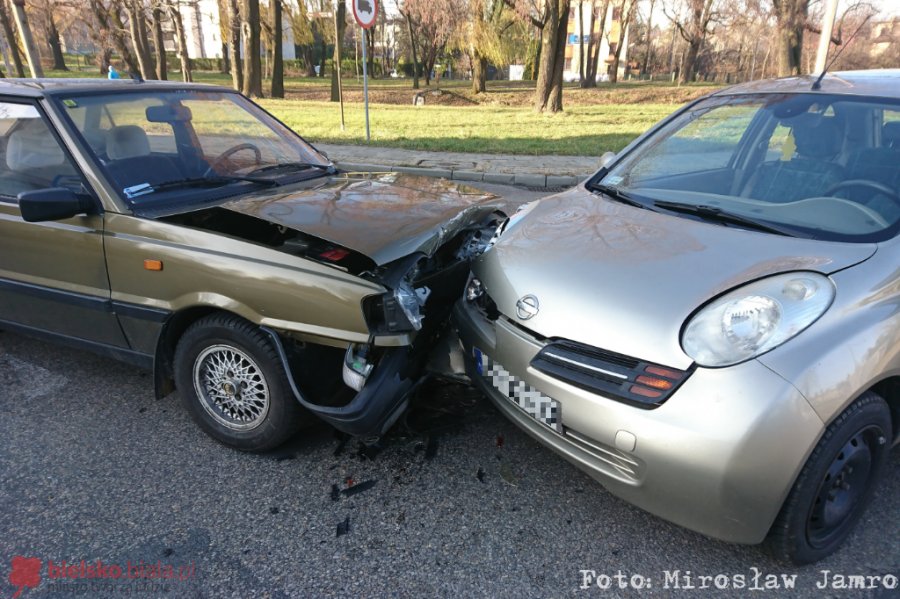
38 88
883 83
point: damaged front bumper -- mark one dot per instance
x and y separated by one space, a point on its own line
380 402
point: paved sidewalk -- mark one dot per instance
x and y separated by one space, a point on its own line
504 169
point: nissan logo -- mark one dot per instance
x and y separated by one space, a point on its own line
527 307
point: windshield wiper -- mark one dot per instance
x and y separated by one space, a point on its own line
205 182
715 214
328 168
619 195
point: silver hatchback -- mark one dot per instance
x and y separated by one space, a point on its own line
710 325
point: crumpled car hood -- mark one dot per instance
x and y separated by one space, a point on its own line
384 217
625 279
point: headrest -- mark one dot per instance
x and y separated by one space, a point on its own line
32 146
890 135
816 136
127 141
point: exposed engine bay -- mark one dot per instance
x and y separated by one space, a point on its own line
362 388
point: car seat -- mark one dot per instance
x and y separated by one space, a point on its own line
810 172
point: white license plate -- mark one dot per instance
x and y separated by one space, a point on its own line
527 398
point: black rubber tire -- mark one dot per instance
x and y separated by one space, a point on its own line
284 413
790 538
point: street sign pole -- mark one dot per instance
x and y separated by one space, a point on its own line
366 13
366 83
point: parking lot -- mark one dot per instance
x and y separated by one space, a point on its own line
454 501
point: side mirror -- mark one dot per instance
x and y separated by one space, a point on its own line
606 159
54 203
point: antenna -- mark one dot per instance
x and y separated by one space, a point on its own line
818 83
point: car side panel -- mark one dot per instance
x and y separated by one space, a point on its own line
261 284
53 277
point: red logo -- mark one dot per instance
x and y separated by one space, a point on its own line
26 572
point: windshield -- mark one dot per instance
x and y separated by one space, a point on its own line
188 145
812 165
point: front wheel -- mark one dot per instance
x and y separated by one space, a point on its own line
835 485
233 384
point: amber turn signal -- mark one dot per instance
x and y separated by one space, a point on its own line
153 265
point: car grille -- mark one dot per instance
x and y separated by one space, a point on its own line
623 378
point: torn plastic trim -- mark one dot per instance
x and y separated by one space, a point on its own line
376 407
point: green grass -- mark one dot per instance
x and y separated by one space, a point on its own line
594 121
580 130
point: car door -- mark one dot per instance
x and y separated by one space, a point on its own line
52 274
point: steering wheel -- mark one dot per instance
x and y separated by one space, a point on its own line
224 157
879 187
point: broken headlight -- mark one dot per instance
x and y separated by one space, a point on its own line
398 310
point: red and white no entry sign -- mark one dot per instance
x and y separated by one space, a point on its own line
365 12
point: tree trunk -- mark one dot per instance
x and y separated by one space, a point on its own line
307 54
111 21
139 41
340 28
412 43
790 16
225 65
594 58
234 44
548 93
6 23
53 40
322 59
31 52
581 61
689 66
181 41
159 45
479 73
646 66
277 52
252 64
627 10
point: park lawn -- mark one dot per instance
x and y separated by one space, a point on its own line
500 122
579 130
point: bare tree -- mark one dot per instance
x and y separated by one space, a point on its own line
234 44
252 66
626 10
180 40
694 29
10 34
277 54
593 50
31 51
340 25
137 28
548 92
790 16
159 45
47 8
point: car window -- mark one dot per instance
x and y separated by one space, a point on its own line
30 156
186 145
708 142
812 164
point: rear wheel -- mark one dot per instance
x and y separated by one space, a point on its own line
232 382
835 485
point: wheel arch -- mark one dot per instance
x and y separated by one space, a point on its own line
172 330
889 390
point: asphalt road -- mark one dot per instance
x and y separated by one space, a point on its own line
454 501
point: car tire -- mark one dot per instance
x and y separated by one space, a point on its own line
234 385
836 484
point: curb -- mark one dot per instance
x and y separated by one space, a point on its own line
521 179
